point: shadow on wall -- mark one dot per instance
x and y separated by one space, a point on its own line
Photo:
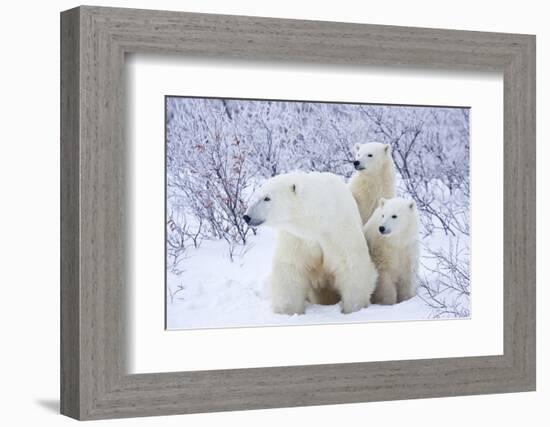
51 405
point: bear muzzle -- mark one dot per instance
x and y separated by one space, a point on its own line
253 222
384 230
357 165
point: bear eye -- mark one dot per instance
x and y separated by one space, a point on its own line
369 155
266 199
394 216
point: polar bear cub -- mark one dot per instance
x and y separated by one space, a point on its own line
392 236
374 177
320 244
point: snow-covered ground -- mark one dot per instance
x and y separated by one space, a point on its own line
213 292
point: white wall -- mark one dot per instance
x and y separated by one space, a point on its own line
29 177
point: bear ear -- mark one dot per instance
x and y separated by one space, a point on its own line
356 146
381 202
387 148
412 204
293 188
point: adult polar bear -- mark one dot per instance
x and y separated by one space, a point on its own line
375 177
320 246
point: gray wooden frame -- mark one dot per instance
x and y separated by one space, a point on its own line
94 381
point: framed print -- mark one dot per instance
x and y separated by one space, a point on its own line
347 210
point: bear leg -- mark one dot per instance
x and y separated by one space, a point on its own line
385 292
288 289
355 294
405 289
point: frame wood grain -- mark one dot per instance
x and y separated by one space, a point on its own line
94 381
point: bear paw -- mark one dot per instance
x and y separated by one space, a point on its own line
350 307
384 295
289 309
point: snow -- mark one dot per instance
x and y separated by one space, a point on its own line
218 293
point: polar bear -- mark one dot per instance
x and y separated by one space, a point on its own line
375 176
321 250
392 237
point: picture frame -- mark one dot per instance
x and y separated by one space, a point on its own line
94 268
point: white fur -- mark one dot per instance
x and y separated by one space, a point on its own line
321 251
375 177
395 250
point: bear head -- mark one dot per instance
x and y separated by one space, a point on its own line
276 203
371 157
396 218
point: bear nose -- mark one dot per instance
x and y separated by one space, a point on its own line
246 218
381 229
356 163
